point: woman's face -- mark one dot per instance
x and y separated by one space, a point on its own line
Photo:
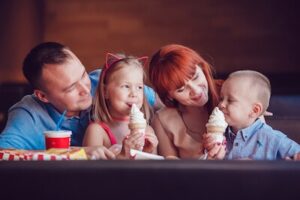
194 92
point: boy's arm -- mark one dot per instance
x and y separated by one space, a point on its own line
288 147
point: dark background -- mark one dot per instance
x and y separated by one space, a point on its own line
231 35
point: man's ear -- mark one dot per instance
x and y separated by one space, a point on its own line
41 96
256 110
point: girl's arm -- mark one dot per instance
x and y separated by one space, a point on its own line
165 144
93 143
94 135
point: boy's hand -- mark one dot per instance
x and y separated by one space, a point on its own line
217 152
295 157
208 141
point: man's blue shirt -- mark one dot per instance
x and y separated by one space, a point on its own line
259 142
29 118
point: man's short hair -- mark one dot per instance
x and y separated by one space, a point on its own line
44 53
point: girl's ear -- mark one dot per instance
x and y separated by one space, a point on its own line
41 96
143 60
110 58
256 110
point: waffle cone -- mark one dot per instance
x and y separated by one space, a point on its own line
133 126
215 129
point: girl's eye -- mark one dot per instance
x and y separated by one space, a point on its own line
140 87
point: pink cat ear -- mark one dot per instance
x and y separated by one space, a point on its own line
110 58
143 60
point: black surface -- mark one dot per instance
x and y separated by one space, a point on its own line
150 180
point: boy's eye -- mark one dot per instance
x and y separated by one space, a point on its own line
125 86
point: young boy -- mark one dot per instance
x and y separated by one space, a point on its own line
245 97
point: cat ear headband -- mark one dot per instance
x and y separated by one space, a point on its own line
112 59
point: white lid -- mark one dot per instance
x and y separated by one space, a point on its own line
59 134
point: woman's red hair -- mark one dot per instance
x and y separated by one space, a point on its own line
172 65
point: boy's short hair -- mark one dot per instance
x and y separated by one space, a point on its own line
259 83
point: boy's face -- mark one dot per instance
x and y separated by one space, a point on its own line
124 88
237 103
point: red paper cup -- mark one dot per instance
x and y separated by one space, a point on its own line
58 139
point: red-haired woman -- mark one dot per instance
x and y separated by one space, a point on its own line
184 82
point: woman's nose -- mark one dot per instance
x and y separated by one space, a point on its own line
194 89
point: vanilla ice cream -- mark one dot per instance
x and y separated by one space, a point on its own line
216 125
137 120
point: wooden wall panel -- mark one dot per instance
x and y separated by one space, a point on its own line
232 35
261 35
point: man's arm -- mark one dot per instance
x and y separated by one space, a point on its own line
21 132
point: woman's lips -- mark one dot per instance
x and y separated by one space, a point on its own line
197 98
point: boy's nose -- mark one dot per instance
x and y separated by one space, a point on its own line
221 105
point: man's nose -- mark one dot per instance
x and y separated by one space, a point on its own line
84 87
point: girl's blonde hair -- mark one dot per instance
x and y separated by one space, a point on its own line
112 65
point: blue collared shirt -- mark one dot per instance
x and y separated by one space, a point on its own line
29 118
259 142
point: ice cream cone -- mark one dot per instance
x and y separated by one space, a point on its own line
216 125
137 122
133 126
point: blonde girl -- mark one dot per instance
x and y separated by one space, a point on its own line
121 85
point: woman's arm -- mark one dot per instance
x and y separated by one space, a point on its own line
165 144
151 141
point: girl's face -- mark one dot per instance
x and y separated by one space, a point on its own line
194 92
124 88
237 103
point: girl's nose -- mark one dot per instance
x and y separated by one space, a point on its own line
133 92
